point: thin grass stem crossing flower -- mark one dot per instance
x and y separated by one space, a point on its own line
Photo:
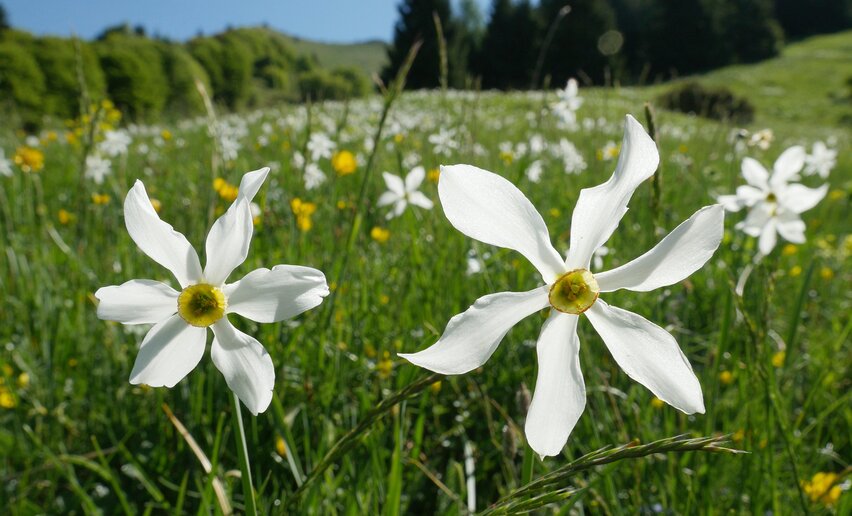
176 343
488 208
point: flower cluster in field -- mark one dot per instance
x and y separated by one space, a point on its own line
548 175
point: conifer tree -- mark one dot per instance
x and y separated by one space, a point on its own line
573 52
509 49
416 23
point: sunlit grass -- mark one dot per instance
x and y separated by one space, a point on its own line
774 366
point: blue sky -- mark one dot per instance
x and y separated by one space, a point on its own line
339 21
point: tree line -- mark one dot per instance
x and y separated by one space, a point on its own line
599 41
145 77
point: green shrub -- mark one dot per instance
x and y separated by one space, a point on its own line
182 71
21 81
228 63
60 61
715 103
136 80
319 85
359 84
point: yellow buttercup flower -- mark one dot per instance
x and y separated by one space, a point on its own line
65 217
823 488
344 163
434 174
795 271
29 159
385 366
166 134
778 358
826 273
226 190
7 401
726 377
280 446
657 403
303 211
380 235
100 199
789 250
156 204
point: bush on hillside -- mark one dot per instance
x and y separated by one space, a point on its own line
136 79
21 82
63 62
182 71
359 84
318 85
715 103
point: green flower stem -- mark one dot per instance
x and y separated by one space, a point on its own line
242 453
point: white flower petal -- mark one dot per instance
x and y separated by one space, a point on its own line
768 237
398 209
750 195
472 336
560 394
755 174
245 364
137 302
757 219
682 252
265 295
158 239
251 183
730 202
419 199
799 198
788 165
791 227
230 237
228 242
394 183
649 355
489 208
414 179
170 350
600 209
387 198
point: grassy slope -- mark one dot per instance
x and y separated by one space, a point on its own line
806 84
369 56
399 297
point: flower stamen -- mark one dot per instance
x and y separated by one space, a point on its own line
201 305
574 292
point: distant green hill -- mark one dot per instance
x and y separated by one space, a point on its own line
809 83
369 56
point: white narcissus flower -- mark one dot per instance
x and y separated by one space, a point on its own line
175 345
402 193
821 160
490 209
774 203
5 165
97 168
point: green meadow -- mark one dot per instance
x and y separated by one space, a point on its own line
774 363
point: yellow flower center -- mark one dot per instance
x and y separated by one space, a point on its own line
771 197
574 292
201 305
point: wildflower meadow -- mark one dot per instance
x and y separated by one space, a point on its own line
568 300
